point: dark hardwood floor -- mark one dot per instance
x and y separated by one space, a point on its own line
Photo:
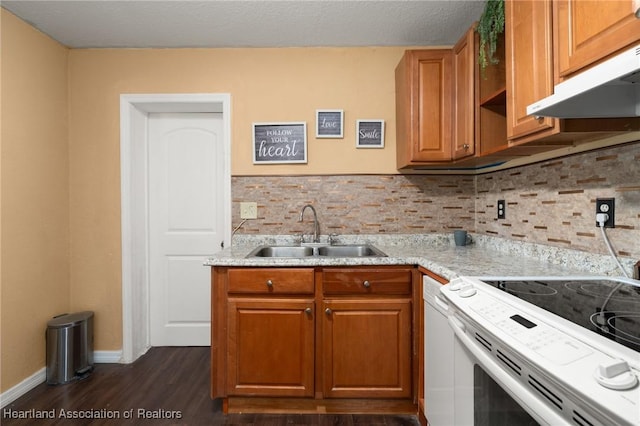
166 386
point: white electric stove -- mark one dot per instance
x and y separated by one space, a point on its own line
565 350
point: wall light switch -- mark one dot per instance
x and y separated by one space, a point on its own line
248 210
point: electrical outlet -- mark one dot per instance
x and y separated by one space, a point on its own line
248 210
502 207
606 205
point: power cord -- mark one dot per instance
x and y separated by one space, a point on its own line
602 218
238 227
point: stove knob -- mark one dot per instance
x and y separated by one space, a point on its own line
456 284
467 290
615 374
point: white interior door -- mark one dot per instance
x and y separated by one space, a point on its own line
186 223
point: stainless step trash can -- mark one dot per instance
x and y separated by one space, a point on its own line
69 347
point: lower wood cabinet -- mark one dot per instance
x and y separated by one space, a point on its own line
317 333
366 349
271 347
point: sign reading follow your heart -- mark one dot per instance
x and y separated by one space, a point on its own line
275 143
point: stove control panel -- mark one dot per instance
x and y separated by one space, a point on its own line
535 335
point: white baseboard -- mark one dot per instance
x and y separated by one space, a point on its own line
107 357
23 387
40 376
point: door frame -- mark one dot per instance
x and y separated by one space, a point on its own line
134 113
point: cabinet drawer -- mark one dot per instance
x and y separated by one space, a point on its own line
271 281
366 281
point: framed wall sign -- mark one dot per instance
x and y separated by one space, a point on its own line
370 134
276 143
329 123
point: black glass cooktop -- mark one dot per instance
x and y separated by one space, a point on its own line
607 306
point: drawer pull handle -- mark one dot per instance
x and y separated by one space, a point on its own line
366 284
308 311
269 283
328 311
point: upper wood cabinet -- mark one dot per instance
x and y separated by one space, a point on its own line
529 70
449 114
423 107
465 99
588 31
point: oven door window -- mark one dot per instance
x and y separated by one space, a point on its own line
493 406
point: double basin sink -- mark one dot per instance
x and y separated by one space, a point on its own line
354 250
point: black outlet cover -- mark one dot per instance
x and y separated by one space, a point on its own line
502 206
609 208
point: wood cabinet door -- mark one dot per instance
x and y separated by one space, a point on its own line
271 347
587 31
529 57
464 93
366 350
424 106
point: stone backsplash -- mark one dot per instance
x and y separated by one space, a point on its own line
554 202
551 203
356 204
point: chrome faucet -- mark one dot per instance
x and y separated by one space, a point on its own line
316 225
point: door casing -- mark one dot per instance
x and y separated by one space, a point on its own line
134 112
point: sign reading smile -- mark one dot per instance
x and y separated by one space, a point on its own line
370 133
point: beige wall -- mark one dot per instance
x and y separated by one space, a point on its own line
61 187
35 195
265 85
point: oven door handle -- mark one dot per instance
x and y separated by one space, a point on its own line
534 406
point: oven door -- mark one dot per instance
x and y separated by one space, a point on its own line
498 398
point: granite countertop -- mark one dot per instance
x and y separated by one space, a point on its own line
435 252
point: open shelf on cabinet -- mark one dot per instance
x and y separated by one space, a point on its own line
496 101
491 135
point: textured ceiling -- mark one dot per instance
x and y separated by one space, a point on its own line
216 23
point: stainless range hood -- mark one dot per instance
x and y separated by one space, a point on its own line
608 90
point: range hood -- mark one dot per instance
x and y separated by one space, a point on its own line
608 90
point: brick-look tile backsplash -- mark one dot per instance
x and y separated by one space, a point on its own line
550 203
356 204
554 202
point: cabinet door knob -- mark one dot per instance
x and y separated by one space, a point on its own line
466 146
328 311
269 283
308 311
366 284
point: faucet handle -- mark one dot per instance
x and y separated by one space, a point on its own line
332 238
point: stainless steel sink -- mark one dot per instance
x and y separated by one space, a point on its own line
364 250
354 250
281 251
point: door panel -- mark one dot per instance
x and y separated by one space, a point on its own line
272 346
367 348
186 223
587 31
